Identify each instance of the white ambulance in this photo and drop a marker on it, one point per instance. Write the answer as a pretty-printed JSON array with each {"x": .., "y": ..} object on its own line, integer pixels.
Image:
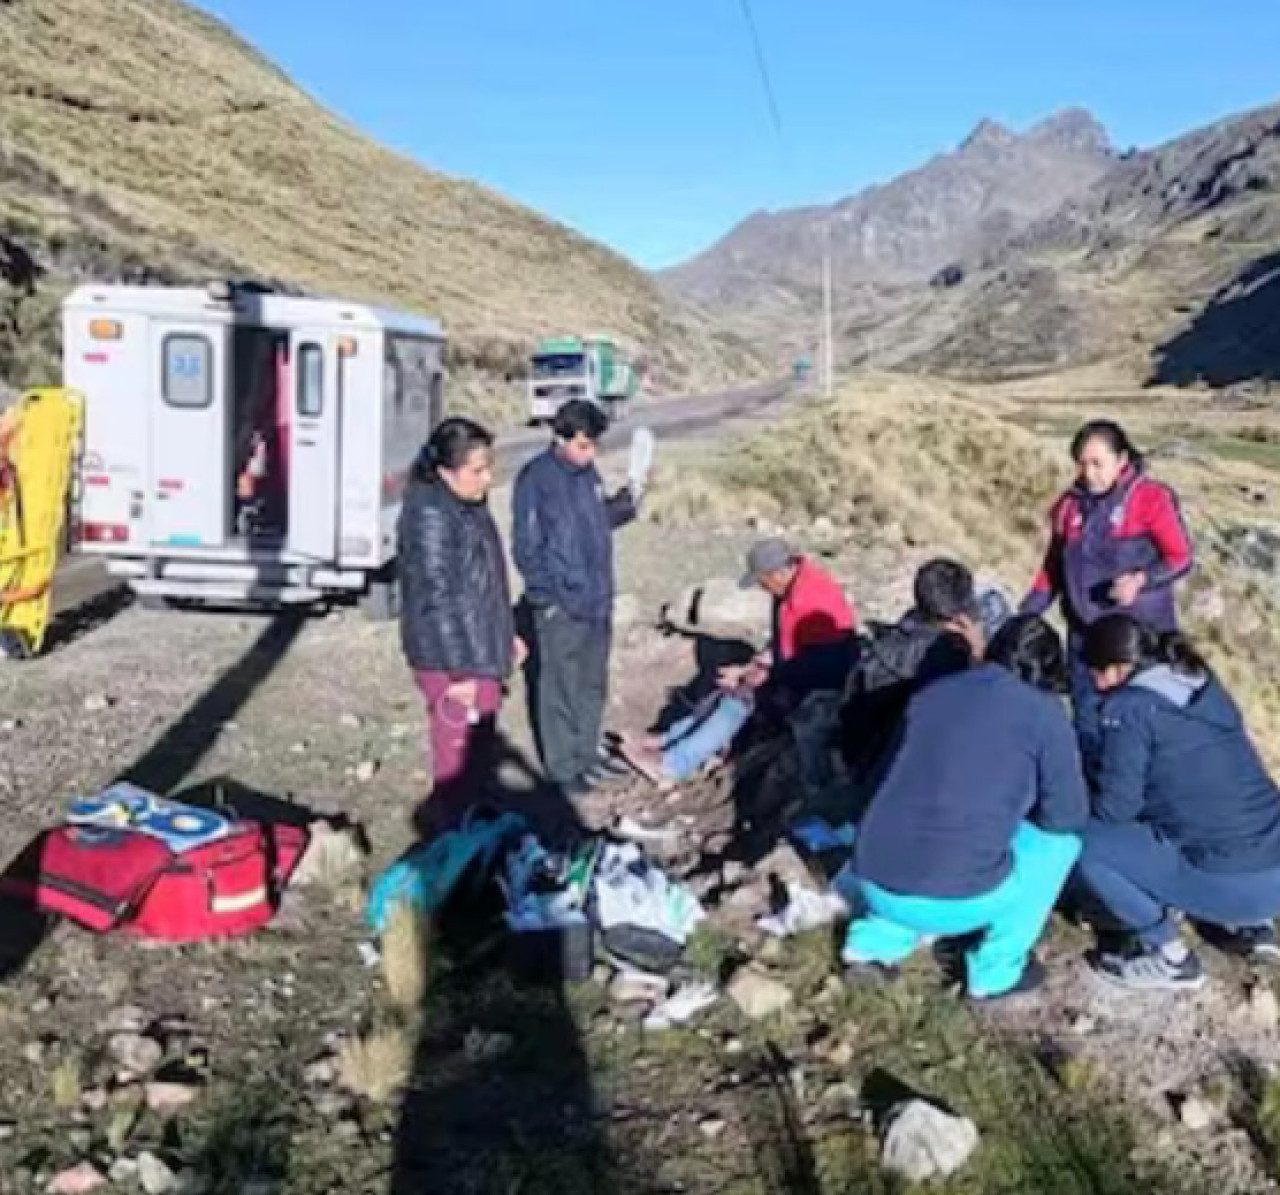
[{"x": 243, "y": 446}]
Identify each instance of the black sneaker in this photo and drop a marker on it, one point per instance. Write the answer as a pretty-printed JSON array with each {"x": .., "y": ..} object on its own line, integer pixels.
[
  {"x": 1256, "y": 943},
  {"x": 1032, "y": 979},
  {"x": 1151, "y": 971},
  {"x": 575, "y": 789},
  {"x": 608, "y": 761}
]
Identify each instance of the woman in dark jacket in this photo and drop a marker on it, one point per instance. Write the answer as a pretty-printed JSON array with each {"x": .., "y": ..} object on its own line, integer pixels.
[
  {"x": 1185, "y": 817},
  {"x": 456, "y": 621},
  {"x": 1117, "y": 542}
]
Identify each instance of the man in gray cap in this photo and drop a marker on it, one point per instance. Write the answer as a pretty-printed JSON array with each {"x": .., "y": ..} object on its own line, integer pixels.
[{"x": 813, "y": 629}]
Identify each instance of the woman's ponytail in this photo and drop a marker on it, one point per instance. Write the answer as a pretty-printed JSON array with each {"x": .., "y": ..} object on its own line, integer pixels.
[
  {"x": 1175, "y": 650},
  {"x": 448, "y": 448}
]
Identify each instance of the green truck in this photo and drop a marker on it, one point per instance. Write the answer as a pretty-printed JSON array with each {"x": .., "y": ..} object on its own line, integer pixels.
[{"x": 568, "y": 367}]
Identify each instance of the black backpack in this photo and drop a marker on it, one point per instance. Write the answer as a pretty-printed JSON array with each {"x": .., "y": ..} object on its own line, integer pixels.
[{"x": 894, "y": 662}]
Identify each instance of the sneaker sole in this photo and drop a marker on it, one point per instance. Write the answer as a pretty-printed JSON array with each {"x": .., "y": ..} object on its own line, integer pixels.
[{"x": 1181, "y": 985}]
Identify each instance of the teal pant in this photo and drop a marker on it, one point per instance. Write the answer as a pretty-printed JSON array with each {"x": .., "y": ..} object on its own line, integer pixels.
[{"x": 1011, "y": 917}]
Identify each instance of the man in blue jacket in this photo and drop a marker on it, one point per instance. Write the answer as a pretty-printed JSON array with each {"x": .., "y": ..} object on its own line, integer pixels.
[{"x": 564, "y": 528}]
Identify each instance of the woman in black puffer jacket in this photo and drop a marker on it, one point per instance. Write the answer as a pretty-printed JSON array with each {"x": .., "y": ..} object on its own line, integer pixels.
[{"x": 456, "y": 622}]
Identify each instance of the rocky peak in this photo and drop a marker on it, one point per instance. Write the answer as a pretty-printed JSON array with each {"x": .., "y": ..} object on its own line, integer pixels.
[
  {"x": 1073, "y": 129},
  {"x": 988, "y": 134}
]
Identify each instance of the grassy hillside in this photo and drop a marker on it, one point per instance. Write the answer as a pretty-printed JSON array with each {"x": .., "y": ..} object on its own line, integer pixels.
[{"x": 141, "y": 138}]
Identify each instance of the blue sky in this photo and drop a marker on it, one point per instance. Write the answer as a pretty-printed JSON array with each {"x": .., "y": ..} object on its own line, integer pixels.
[{"x": 644, "y": 124}]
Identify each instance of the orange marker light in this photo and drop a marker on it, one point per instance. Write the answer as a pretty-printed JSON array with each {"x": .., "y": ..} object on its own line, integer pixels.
[
  {"x": 347, "y": 346},
  {"x": 106, "y": 329}
]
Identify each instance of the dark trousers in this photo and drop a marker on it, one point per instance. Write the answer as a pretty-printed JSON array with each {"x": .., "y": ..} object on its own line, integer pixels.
[
  {"x": 1086, "y": 701},
  {"x": 573, "y": 685},
  {"x": 1141, "y": 878}
]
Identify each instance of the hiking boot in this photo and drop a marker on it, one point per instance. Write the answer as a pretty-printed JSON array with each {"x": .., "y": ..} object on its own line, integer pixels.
[
  {"x": 1031, "y": 980},
  {"x": 1255, "y": 943},
  {"x": 1146, "y": 970}
]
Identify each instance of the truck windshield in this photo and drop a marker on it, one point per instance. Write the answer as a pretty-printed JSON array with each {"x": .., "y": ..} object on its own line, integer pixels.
[{"x": 558, "y": 365}]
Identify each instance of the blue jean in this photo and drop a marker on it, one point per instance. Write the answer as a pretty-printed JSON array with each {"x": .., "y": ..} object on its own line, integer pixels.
[
  {"x": 694, "y": 740},
  {"x": 1011, "y": 917},
  {"x": 1140, "y": 878},
  {"x": 1086, "y": 701}
]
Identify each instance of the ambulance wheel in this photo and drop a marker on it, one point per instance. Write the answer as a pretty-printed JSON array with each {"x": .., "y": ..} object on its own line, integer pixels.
[
  {"x": 14, "y": 645},
  {"x": 381, "y": 601}
]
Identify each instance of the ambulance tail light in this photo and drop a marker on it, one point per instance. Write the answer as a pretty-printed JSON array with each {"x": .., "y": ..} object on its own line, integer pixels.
[{"x": 104, "y": 533}]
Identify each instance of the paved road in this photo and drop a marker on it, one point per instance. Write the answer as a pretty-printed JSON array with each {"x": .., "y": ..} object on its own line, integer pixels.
[{"x": 81, "y": 578}]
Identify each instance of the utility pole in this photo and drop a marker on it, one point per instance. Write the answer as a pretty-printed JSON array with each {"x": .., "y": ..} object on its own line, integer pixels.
[{"x": 829, "y": 364}]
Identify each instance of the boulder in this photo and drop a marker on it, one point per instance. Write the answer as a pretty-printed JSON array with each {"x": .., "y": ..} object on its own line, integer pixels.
[
  {"x": 167, "y": 1098},
  {"x": 1258, "y": 548},
  {"x": 757, "y": 995},
  {"x": 155, "y": 1176},
  {"x": 722, "y": 608},
  {"x": 79, "y": 1180},
  {"x": 922, "y": 1142},
  {"x": 135, "y": 1052}
]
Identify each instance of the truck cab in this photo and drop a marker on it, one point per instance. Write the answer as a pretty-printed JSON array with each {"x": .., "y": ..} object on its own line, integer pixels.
[{"x": 566, "y": 368}]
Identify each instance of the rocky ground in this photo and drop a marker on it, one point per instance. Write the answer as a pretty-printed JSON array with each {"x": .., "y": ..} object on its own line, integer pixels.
[{"x": 284, "y": 1063}]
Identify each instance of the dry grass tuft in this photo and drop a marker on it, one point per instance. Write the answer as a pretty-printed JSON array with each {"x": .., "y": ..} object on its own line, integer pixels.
[
  {"x": 67, "y": 1082},
  {"x": 405, "y": 954},
  {"x": 377, "y": 1064}
]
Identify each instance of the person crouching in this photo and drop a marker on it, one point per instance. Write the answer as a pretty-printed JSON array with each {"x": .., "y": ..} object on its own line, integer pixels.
[{"x": 974, "y": 829}]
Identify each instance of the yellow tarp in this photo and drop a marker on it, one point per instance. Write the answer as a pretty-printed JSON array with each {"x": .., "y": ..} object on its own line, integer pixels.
[{"x": 39, "y": 441}]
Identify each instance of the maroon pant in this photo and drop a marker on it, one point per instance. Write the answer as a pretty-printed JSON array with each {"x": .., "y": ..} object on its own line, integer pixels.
[{"x": 457, "y": 738}]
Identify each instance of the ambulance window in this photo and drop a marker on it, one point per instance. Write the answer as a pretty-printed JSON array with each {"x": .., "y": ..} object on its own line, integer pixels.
[
  {"x": 187, "y": 362},
  {"x": 310, "y": 381}
]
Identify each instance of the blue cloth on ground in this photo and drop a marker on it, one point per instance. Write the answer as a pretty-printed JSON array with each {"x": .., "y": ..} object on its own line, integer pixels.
[{"x": 424, "y": 878}]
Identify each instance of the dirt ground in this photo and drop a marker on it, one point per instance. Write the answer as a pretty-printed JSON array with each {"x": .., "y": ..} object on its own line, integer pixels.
[{"x": 513, "y": 1087}]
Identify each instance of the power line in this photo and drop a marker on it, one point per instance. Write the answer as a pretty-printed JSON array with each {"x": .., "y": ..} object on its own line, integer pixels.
[{"x": 762, "y": 65}]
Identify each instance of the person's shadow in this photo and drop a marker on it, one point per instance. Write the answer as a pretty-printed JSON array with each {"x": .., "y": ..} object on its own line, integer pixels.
[{"x": 500, "y": 1095}]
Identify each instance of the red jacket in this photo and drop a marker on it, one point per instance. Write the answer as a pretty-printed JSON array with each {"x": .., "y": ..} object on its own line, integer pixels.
[{"x": 813, "y": 613}]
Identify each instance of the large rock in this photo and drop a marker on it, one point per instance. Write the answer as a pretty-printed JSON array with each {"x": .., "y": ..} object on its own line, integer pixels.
[
  {"x": 79, "y": 1180},
  {"x": 757, "y": 995},
  {"x": 155, "y": 1176},
  {"x": 923, "y": 1142},
  {"x": 1257, "y": 548},
  {"x": 720, "y": 607},
  {"x": 136, "y": 1052}
]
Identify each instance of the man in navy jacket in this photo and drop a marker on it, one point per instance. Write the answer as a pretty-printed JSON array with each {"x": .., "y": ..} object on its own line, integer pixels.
[{"x": 564, "y": 528}]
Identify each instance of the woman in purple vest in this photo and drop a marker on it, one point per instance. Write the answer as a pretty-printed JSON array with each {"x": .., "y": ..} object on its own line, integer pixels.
[{"x": 1118, "y": 543}]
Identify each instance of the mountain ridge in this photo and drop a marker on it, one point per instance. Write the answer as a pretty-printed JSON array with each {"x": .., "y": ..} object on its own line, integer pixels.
[{"x": 905, "y": 229}]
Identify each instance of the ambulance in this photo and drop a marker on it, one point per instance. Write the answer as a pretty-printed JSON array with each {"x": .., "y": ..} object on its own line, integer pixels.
[{"x": 247, "y": 447}]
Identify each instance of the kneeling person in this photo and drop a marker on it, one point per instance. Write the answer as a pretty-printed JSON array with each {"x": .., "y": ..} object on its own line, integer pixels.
[
  {"x": 812, "y": 647},
  {"x": 973, "y": 829},
  {"x": 1185, "y": 818}
]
